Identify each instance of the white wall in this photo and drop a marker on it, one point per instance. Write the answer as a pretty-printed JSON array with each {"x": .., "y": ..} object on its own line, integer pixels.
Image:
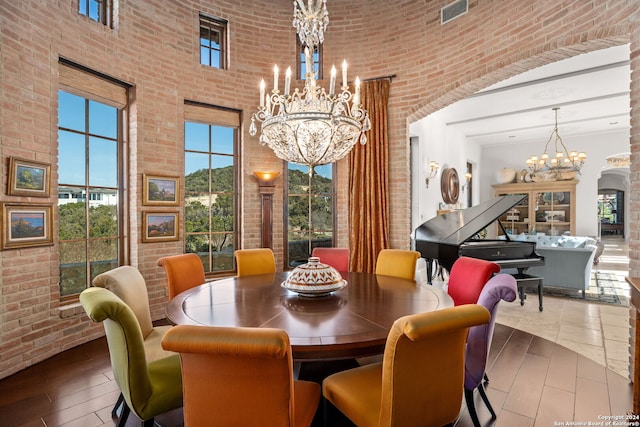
[
  {"x": 450, "y": 149},
  {"x": 598, "y": 148}
]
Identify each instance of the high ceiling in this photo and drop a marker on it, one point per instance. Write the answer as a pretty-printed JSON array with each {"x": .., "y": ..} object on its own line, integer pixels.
[{"x": 592, "y": 91}]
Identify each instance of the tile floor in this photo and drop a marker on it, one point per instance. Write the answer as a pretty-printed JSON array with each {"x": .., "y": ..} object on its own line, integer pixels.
[{"x": 595, "y": 330}]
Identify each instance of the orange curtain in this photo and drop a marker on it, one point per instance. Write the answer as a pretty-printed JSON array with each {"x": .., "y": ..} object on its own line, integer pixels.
[{"x": 369, "y": 182}]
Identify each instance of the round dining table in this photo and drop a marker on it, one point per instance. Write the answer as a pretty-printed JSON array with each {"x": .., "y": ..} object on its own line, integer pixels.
[{"x": 348, "y": 323}]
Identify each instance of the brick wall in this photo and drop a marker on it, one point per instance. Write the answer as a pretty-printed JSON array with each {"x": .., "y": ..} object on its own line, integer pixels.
[{"x": 154, "y": 48}]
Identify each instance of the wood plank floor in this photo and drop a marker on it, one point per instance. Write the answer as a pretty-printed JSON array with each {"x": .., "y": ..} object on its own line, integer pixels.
[{"x": 533, "y": 382}]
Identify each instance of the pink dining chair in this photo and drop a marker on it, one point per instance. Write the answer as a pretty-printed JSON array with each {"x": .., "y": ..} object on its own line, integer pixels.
[
  {"x": 501, "y": 287},
  {"x": 467, "y": 278},
  {"x": 337, "y": 258}
]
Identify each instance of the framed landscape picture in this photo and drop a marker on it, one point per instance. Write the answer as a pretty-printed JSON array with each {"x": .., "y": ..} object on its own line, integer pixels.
[
  {"x": 26, "y": 225},
  {"x": 160, "y": 190},
  {"x": 28, "y": 178},
  {"x": 159, "y": 226}
]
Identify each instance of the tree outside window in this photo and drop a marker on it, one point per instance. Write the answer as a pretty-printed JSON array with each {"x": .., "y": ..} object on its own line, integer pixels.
[
  {"x": 88, "y": 191},
  {"x": 310, "y": 211}
]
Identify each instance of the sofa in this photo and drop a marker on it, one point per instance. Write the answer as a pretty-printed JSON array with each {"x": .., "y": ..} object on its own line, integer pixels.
[{"x": 567, "y": 260}]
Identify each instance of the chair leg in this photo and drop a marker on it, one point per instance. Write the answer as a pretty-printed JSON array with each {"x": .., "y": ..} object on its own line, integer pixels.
[
  {"x": 471, "y": 407},
  {"x": 114, "y": 411},
  {"x": 485, "y": 399},
  {"x": 486, "y": 379},
  {"x": 148, "y": 423},
  {"x": 124, "y": 415}
]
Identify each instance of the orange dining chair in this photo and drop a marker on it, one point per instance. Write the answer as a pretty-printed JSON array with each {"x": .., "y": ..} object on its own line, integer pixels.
[
  {"x": 421, "y": 377},
  {"x": 240, "y": 377},
  {"x": 397, "y": 263},
  {"x": 467, "y": 278},
  {"x": 337, "y": 258},
  {"x": 255, "y": 261},
  {"x": 184, "y": 271}
]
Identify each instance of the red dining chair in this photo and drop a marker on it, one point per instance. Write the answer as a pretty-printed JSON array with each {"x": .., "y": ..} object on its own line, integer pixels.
[
  {"x": 184, "y": 271},
  {"x": 467, "y": 278},
  {"x": 501, "y": 287},
  {"x": 337, "y": 258}
]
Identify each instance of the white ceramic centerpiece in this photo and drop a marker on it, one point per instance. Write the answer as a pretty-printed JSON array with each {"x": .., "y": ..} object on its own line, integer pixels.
[{"x": 314, "y": 279}]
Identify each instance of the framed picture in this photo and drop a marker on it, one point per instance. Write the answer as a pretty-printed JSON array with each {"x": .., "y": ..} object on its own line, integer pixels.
[
  {"x": 26, "y": 225},
  {"x": 159, "y": 226},
  {"x": 28, "y": 178},
  {"x": 160, "y": 190},
  {"x": 554, "y": 216}
]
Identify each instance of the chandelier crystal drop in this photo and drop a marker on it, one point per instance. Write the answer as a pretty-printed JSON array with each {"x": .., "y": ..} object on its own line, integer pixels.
[
  {"x": 563, "y": 165},
  {"x": 312, "y": 126}
]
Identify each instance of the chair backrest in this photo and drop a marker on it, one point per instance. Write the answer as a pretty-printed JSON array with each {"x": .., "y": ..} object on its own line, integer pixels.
[
  {"x": 499, "y": 287},
  {"x": 467, "y": 278},
  {"x": 423, "y": 366},
  {"x": 255, "y": 261},
  {"x": 129, "y": 285},
  {"x": 184, "y": 271},
  {"x": 397, "y": 263},
  {"x": 234, "y": 376},
  {"x": 143, "y": 393},
  {"x": 337, "y": 258}
]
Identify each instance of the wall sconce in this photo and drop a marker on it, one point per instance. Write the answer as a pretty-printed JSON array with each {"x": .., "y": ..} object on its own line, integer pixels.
[
  {"x": 467, "y": 180},
  {"x": 433, "y": 170},
  {"x": 266, "y": 183}
]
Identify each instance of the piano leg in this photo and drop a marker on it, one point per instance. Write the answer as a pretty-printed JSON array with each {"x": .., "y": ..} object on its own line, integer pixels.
[{"x": 429, "y": 270}]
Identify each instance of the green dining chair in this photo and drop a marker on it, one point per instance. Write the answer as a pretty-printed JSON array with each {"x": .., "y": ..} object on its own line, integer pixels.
[{"x": 148, "y": 388}]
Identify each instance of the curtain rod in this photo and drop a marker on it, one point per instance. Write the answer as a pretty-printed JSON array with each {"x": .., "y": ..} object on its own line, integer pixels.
[{"x": 390, "y": 77}]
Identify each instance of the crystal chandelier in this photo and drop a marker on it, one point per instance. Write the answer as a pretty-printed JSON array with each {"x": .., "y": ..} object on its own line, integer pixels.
[
  {"x": 311, "y": 126},
  {"x": 564, "y": 164}
]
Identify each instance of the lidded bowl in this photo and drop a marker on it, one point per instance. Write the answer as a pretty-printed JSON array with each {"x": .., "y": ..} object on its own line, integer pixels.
[{"x": 314, "y": 277}]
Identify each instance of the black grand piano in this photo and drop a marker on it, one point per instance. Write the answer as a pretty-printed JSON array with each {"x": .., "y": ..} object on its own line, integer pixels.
[{"x": 449, "y": 236}]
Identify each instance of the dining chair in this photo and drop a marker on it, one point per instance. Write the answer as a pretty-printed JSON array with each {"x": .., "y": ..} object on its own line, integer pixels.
[
  {"x": 337, "y": 258},
  {"x": 398, "y": 263},
  {"x": 255, "y": 261},
  {"x": 128, "y": 284},
  {"x": 421, "y": 377},
  {"x": 184, "y": 271},
  {"x": 236, "y": 376},
  {"x": 501, "y": 287},
  {"x": 149, "y": 388},
  {"x": 467, "y": 278}
]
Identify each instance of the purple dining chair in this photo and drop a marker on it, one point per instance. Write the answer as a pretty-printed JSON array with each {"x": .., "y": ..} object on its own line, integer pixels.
[{"x": 499, "y": 287}]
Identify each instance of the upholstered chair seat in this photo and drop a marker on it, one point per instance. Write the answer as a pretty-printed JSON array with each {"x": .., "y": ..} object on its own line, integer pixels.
[
  {"x": 149, "y": 388},
  {"x": 255, "y": 261},
  {"x": 420, "y": 379},
  {"x": 241, "y": 377},
  {"x": 397, "y": 263},
  {"x": 184, "y": 271}
]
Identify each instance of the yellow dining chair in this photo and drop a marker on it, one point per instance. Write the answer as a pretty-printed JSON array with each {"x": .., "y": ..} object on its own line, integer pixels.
[
  {"x": 184, "y": 271},
  {"x": 128, "y": 284},
  {"x": 255, "y": 261},
  {"x": 421, "y": 377},
  {"x": 397, "y": 263},
  {"x": 240, "y": 377},
  {"x": 149, "y": 388}
]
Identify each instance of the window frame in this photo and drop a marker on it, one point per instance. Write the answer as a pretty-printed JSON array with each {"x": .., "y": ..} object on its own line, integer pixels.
[
  {"x": 334, "y": 175},
  {"x": 221, "y": 26},
  {"x": 216, "y": 116},
  {"x": 300, "y": 60},
  {"x": 105, "y": 11}
]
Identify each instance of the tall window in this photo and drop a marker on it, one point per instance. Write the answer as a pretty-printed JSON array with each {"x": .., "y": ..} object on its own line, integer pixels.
[
  {"x": 310, "y": 211},
  {"x": 211, "y": 229},
  {"x": 317, "y": 61},
  {"x": 213, "y": 46},
  {"x": 89, "y": 189},
  {"x": 98, "y": 10}
]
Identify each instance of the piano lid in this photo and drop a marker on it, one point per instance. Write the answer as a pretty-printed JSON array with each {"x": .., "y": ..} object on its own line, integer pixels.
[{"x": 455, "y": 228}]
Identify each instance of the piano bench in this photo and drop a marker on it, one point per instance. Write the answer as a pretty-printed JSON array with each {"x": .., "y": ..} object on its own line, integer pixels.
[{"x": 528, "y": 281}]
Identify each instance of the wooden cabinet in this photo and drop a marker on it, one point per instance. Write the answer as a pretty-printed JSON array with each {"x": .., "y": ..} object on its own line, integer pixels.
[{"x": 550, "y": 207}]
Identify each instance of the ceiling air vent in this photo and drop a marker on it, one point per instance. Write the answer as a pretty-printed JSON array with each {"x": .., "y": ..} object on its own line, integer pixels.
[{"x": 453, "y": 10}]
